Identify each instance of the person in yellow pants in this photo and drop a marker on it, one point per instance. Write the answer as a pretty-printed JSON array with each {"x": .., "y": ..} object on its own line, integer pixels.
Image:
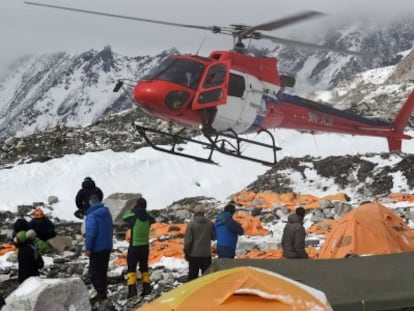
[{"x": 139, "y": 221}]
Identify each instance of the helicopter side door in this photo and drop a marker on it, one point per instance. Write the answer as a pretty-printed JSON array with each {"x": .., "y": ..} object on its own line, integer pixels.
[{"x": 213, "y": 88}]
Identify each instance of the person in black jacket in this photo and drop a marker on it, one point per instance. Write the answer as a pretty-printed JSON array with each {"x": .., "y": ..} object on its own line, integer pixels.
[
  {"x": 82, "y": 197},
  {"x": 29, "y": 259},
  {"x": 42, "y": 225},
  {"x": 294, "y": 234}
]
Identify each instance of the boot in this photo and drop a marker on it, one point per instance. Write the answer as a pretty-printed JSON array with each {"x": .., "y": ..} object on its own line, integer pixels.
[
  {"x": 132, "y": 285},
  {"x": 146, "y": 286},
  {"x": 132, "y": 291}
]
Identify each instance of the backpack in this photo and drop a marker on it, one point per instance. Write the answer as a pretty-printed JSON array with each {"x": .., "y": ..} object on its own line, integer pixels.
[{"x": 38, "y": 257}]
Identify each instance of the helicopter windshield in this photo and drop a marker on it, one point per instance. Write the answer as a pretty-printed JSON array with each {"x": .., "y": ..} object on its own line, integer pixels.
[{"x": 182, "y": 71}]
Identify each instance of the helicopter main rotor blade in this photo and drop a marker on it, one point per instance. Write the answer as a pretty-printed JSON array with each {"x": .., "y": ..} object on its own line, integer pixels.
[
  {"x": 211, "y": 28},
  {"x": 309, "y": 45},
  {"x": 279, "y": 23}
]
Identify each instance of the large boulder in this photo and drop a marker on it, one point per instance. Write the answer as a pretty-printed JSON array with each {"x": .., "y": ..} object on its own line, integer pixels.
[
  {"x": 119, "y": 203},
  {"x": 36, "y": 294}
]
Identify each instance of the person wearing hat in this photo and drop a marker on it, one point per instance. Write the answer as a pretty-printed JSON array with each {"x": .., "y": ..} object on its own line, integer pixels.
[
  {"x": 197, "y": 243},
  {"x": 139, "y": 221},
  {"x": 82, "y": 197},
  {"x": 28, "y": 258},
  {"x": 98, "y": 244},
  {"x": 227, "y": 231},
  {"x": 294, "y": 234},
  {"x": 42, "y": 225}
]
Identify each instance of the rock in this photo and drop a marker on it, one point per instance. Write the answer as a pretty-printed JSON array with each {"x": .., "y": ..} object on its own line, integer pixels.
[
  {"x": 119, "y": 203},
  {"x": 36, "y": 294},
  {"x": 52, "y": 199},
  {"x": 60, "y": 243}
]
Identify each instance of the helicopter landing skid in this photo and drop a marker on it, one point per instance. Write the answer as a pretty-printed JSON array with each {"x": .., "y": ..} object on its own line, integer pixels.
[{"x": 227, "y": 142}]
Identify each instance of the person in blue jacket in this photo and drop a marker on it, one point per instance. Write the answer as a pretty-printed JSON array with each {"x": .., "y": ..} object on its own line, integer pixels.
[
  {"x": 98, "y": 244},
  {"x": 227, "y": 232}
]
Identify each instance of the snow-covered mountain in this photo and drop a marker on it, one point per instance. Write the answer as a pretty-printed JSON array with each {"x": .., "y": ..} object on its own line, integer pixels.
[
  {"x": 69, "y": 89},
  {"x": 383, "y": 43}
]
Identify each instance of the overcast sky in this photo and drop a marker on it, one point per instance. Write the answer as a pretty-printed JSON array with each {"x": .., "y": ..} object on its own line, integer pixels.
[{"x": 27, "y": 29}]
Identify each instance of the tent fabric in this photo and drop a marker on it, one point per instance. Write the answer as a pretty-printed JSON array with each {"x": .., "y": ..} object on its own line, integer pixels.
[
  {"x": 241, "y": 288},
  {"x": 367, "y": 283},
  {"x": 370, "y": 229}
]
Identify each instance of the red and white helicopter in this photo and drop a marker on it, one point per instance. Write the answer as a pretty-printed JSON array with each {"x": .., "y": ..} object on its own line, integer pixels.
[{"x": 230, "y": 93}]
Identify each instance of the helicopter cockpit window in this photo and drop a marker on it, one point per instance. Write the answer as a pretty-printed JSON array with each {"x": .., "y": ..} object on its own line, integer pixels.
[
  {"x": 215, "y": 76},
  {"x": 182, "y": 71}
]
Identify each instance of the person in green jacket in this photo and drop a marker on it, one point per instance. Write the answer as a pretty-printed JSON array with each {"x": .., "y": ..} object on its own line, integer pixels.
[{"x": 139, "y": 221}]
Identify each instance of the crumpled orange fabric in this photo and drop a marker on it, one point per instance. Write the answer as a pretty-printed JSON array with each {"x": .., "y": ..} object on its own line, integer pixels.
[
  {"x": 7, "y": 248},
  {"x": 158, "y": 230},
  {"x": 322, "y": 227},
  {"x": 251, "y": 225}
]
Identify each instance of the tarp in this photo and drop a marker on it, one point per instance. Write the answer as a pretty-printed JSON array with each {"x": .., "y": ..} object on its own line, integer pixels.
[
  {"x": 241, "y": 288},
  {"x": 290, "y": 200},
  {"x": 370, "y": 229},
  {"x": 380, "y": 282}
]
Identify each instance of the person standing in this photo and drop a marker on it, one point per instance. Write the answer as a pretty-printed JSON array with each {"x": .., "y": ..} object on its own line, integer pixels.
[
  {"x": 98, "y": 244},
  {"x": 227, "y": 232},
  {"x": 42, "y": 225},
  {"x": 29, "y": 259},
  {"x": 197, "y": 243},
  {"x": 294, "y": 234},
  {"x": 82, "y": 197},
  {"x": 139, "y": 221}
]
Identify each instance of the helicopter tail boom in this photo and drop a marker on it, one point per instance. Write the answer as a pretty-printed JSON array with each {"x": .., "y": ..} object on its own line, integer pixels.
[{"x": 401, "y": 120}]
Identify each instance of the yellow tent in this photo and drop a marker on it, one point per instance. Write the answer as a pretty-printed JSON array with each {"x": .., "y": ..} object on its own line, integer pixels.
[
  {"x": 241, "y": 288},
  {"x": 370, "y": 229}
]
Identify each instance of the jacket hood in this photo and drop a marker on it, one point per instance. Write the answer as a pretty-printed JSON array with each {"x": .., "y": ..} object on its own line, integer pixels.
[
  {"x": 200, "y": 219},
  {"x": 141, "y": 214},
  {"x": 222, "y": 216},
  {"x": 293, "y": 218},
  {"x": 96, "y": 208}
]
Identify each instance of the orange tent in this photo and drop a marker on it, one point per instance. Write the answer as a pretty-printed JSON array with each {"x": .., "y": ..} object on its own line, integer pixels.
[
  {"x": 370, "y": 229},
  {"x": 241, "y": 288}
]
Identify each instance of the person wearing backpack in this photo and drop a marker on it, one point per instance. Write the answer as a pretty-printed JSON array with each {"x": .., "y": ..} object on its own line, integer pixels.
[
  {"x": 88, "y": 188},
  {"x": 139, "y": 221},
  {"x": 28, "y": 257}
]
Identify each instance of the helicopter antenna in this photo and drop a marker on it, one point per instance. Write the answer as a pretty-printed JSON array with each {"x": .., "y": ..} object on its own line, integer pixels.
[{"x": 201, "y": 44}]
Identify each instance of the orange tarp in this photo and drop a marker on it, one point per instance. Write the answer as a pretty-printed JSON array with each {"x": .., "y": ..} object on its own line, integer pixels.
[
  {"x": 159, "y": 229},
  {"x": 370, "y": 229},
  {"x": 400, "y": 197},
  {"x": 290, "y": 200},
  {"x": 241, "y": 288},
  {"x": 7, "y": 248},
  {"x": 323, "y": 227},
  {"x": 251, "y": 225}
]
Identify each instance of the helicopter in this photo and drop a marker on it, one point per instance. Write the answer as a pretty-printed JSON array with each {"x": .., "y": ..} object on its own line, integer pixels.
[{"x": 231, "y": 93}]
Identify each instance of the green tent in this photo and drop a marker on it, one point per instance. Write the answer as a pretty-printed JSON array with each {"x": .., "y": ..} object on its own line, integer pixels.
[{"x": 380, "y": 282}]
